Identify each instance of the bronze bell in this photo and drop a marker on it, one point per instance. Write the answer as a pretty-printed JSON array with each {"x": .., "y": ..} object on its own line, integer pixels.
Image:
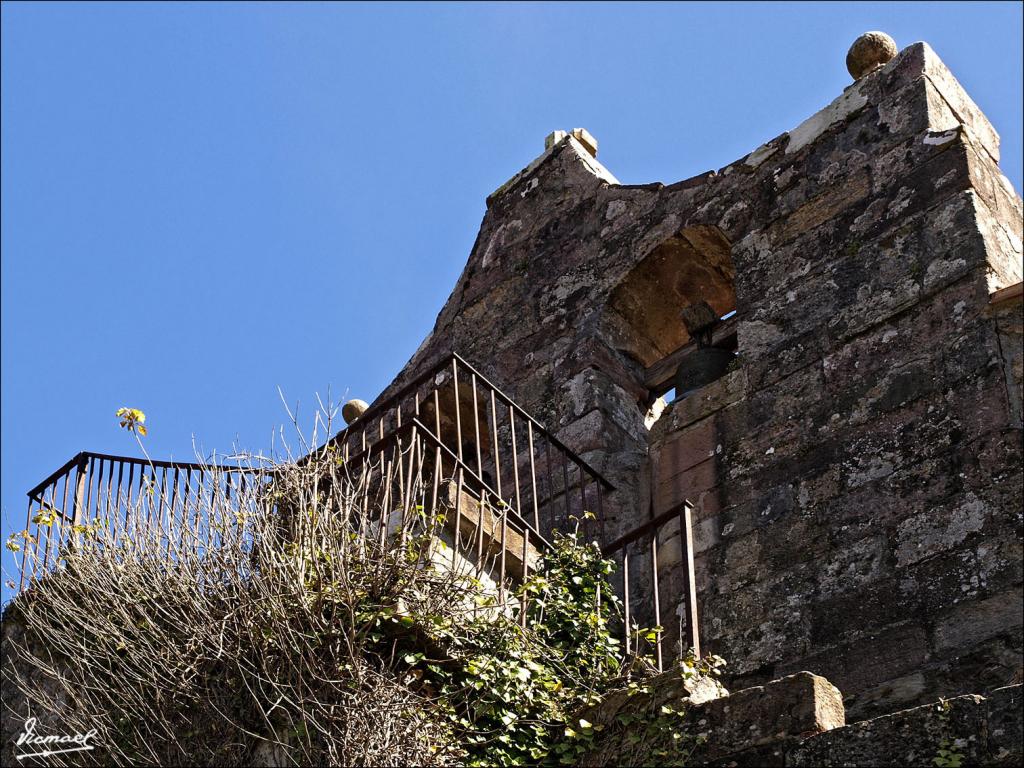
[
  {"x": 700, "y": 368},
  {"x": 706, "y": 363}
]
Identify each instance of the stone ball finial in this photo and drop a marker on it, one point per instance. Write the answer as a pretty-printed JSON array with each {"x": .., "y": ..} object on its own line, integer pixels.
[
  {"x": 869, "y": 52},
  {"x": 353, "y": 409}
]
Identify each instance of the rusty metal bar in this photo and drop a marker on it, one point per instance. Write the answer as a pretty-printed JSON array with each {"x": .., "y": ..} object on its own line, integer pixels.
[
  {"x": 187, "y": 526},
  {"x": 516, "y": 518},
  {"x": 55, "y": 475},
  {"x": 565, "y": 488},
  {"x": 111, "y": 523},
  {"x": 504, "y": 548},
  {"x": 78, "y": 505},
  {"x": 524, "y": 414},
  {"x": 526, "y": 570},
  {"x": 494, "y": 436},
  {"x": 533, "y": 477},
  {"x": 550, "y": 501},
  {"x": 515, "y": 457},
  {"x": 49, "y": 528},
  {"x": 625, "y": 598},
  {"x": 476, "y": 430},
  {"x": 128, "y": 504},
  {"x": 437, "y": 453},
  {"x": 689, "y": 579},
  {"x": 640, "y": 530},
  {"x": 163, "y": 498},
  {"x": 26, "y": 543},
  {"x": 63, "y": 515},
  {"x": 95, "y": 471},
  {"x": 170, "y": 512},
  {"x": 656, "y": 594}
]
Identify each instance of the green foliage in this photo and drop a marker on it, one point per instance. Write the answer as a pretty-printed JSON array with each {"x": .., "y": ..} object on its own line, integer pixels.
[
  {"x": 511, "y": 683},
  {"x": 45, "y": 516},
  {"x": 132, "y": 419},
  {"x": 947, "y": 755},
  {"x": 12, "y": 540}
]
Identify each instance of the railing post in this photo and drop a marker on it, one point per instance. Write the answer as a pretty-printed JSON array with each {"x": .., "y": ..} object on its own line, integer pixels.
[
  {"x": 26, "y": 544},
  {"x": 625, "y": 598},
  {"x": 78, "y": 504},
  {"x": 689, "y": 580},
  {"x": 655, "y": 593}
]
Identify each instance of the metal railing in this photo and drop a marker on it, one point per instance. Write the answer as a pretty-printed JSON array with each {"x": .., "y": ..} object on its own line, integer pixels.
[
  {"x": 410, "y": 475},
  {"x": 466, "y": 433},
  {"x": 126, "y": 497},
  {"x": 506, "y": 449},
  {"x": 449, "y": 438},
  {"x": 642, "y": 597}
]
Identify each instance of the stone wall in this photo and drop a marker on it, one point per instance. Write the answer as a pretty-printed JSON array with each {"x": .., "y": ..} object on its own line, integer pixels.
[
  {"x": 798, "y": 721},
  {"x": 858, "y": 477},
  {"x": 1007, "y": 310}
]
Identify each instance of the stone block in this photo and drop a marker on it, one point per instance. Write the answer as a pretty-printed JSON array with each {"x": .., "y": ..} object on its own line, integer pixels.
[
  {"x": 584, "y": 137},
  {"x": 683, "y": 449},
  {"x": 673, "y": 490},
  {"x": 873, "y": 659},
  {"x": 739, "y": 725},
  {"x": 971, "y": 623},
  {"x": 1004, "y": 710},
  {"x": 855, "y": 565},
  {"x": 799, "y": 704},
  {"x": 962, "y": 108},
  {"x": 714, "y": 397},
  {"x": 857, "y": 617},
  {"x": 939, "y": 529},
  {"x": 475, "y": 520},
  {"x": 908, "y": 739}
]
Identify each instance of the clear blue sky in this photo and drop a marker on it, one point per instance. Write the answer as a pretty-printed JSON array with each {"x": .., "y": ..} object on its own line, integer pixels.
[{"x": 202, "y": 203}]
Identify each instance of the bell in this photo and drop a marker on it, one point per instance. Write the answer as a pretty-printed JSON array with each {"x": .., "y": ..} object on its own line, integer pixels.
[{"x": 700, "y": 368}]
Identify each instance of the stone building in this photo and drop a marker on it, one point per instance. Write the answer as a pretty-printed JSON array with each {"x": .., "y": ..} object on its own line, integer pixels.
[
  {"x": 797, "y": 383},
  {"x": 855, "y": 467}
]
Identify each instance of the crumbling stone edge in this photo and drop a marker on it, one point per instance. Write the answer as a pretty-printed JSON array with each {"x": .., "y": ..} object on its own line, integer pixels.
[{"x": 799, "y": 721}]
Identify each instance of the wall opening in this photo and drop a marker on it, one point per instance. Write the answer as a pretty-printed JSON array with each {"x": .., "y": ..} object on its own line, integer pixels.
[
  {"x": 644, "y": 321},
  {"x": 691, "y": 266}
]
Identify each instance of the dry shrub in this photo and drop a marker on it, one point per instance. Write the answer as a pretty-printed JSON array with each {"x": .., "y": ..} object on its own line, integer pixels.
[{"x": 250, "y": 647}]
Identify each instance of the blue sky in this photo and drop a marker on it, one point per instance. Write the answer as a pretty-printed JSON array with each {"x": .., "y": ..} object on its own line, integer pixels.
[{"x": 202, "y": 203}]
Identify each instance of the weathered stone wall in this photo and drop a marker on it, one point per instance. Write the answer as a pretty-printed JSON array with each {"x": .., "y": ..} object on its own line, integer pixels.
[
  {"x": 858, "y": 478},
  {"x": 979, "y": 730},
  {"x": 796, "y": 721},
  {"x": 1007, "y": 310}
]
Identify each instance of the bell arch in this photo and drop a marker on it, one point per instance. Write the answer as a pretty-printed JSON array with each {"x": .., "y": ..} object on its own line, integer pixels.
[{"x": 650, "y": 313}]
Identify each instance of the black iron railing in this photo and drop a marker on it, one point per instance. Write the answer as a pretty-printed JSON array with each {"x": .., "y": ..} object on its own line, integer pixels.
[
  {"x": 449, "y": 437},
  {"x": 126, "y": 497},
  {"x": 475, "y": 423}
]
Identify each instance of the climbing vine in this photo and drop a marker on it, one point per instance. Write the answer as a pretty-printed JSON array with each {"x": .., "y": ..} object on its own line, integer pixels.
[{"x": 513, "y": 683}]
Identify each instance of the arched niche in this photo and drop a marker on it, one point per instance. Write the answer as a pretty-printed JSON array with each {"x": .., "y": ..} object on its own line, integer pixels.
[{"x": 643, "y": 315}]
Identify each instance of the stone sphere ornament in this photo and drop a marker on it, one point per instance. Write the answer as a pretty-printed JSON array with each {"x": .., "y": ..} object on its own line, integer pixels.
[
  {"x": 353, "y": 409},
  {"x": 869, "y": 52}
]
